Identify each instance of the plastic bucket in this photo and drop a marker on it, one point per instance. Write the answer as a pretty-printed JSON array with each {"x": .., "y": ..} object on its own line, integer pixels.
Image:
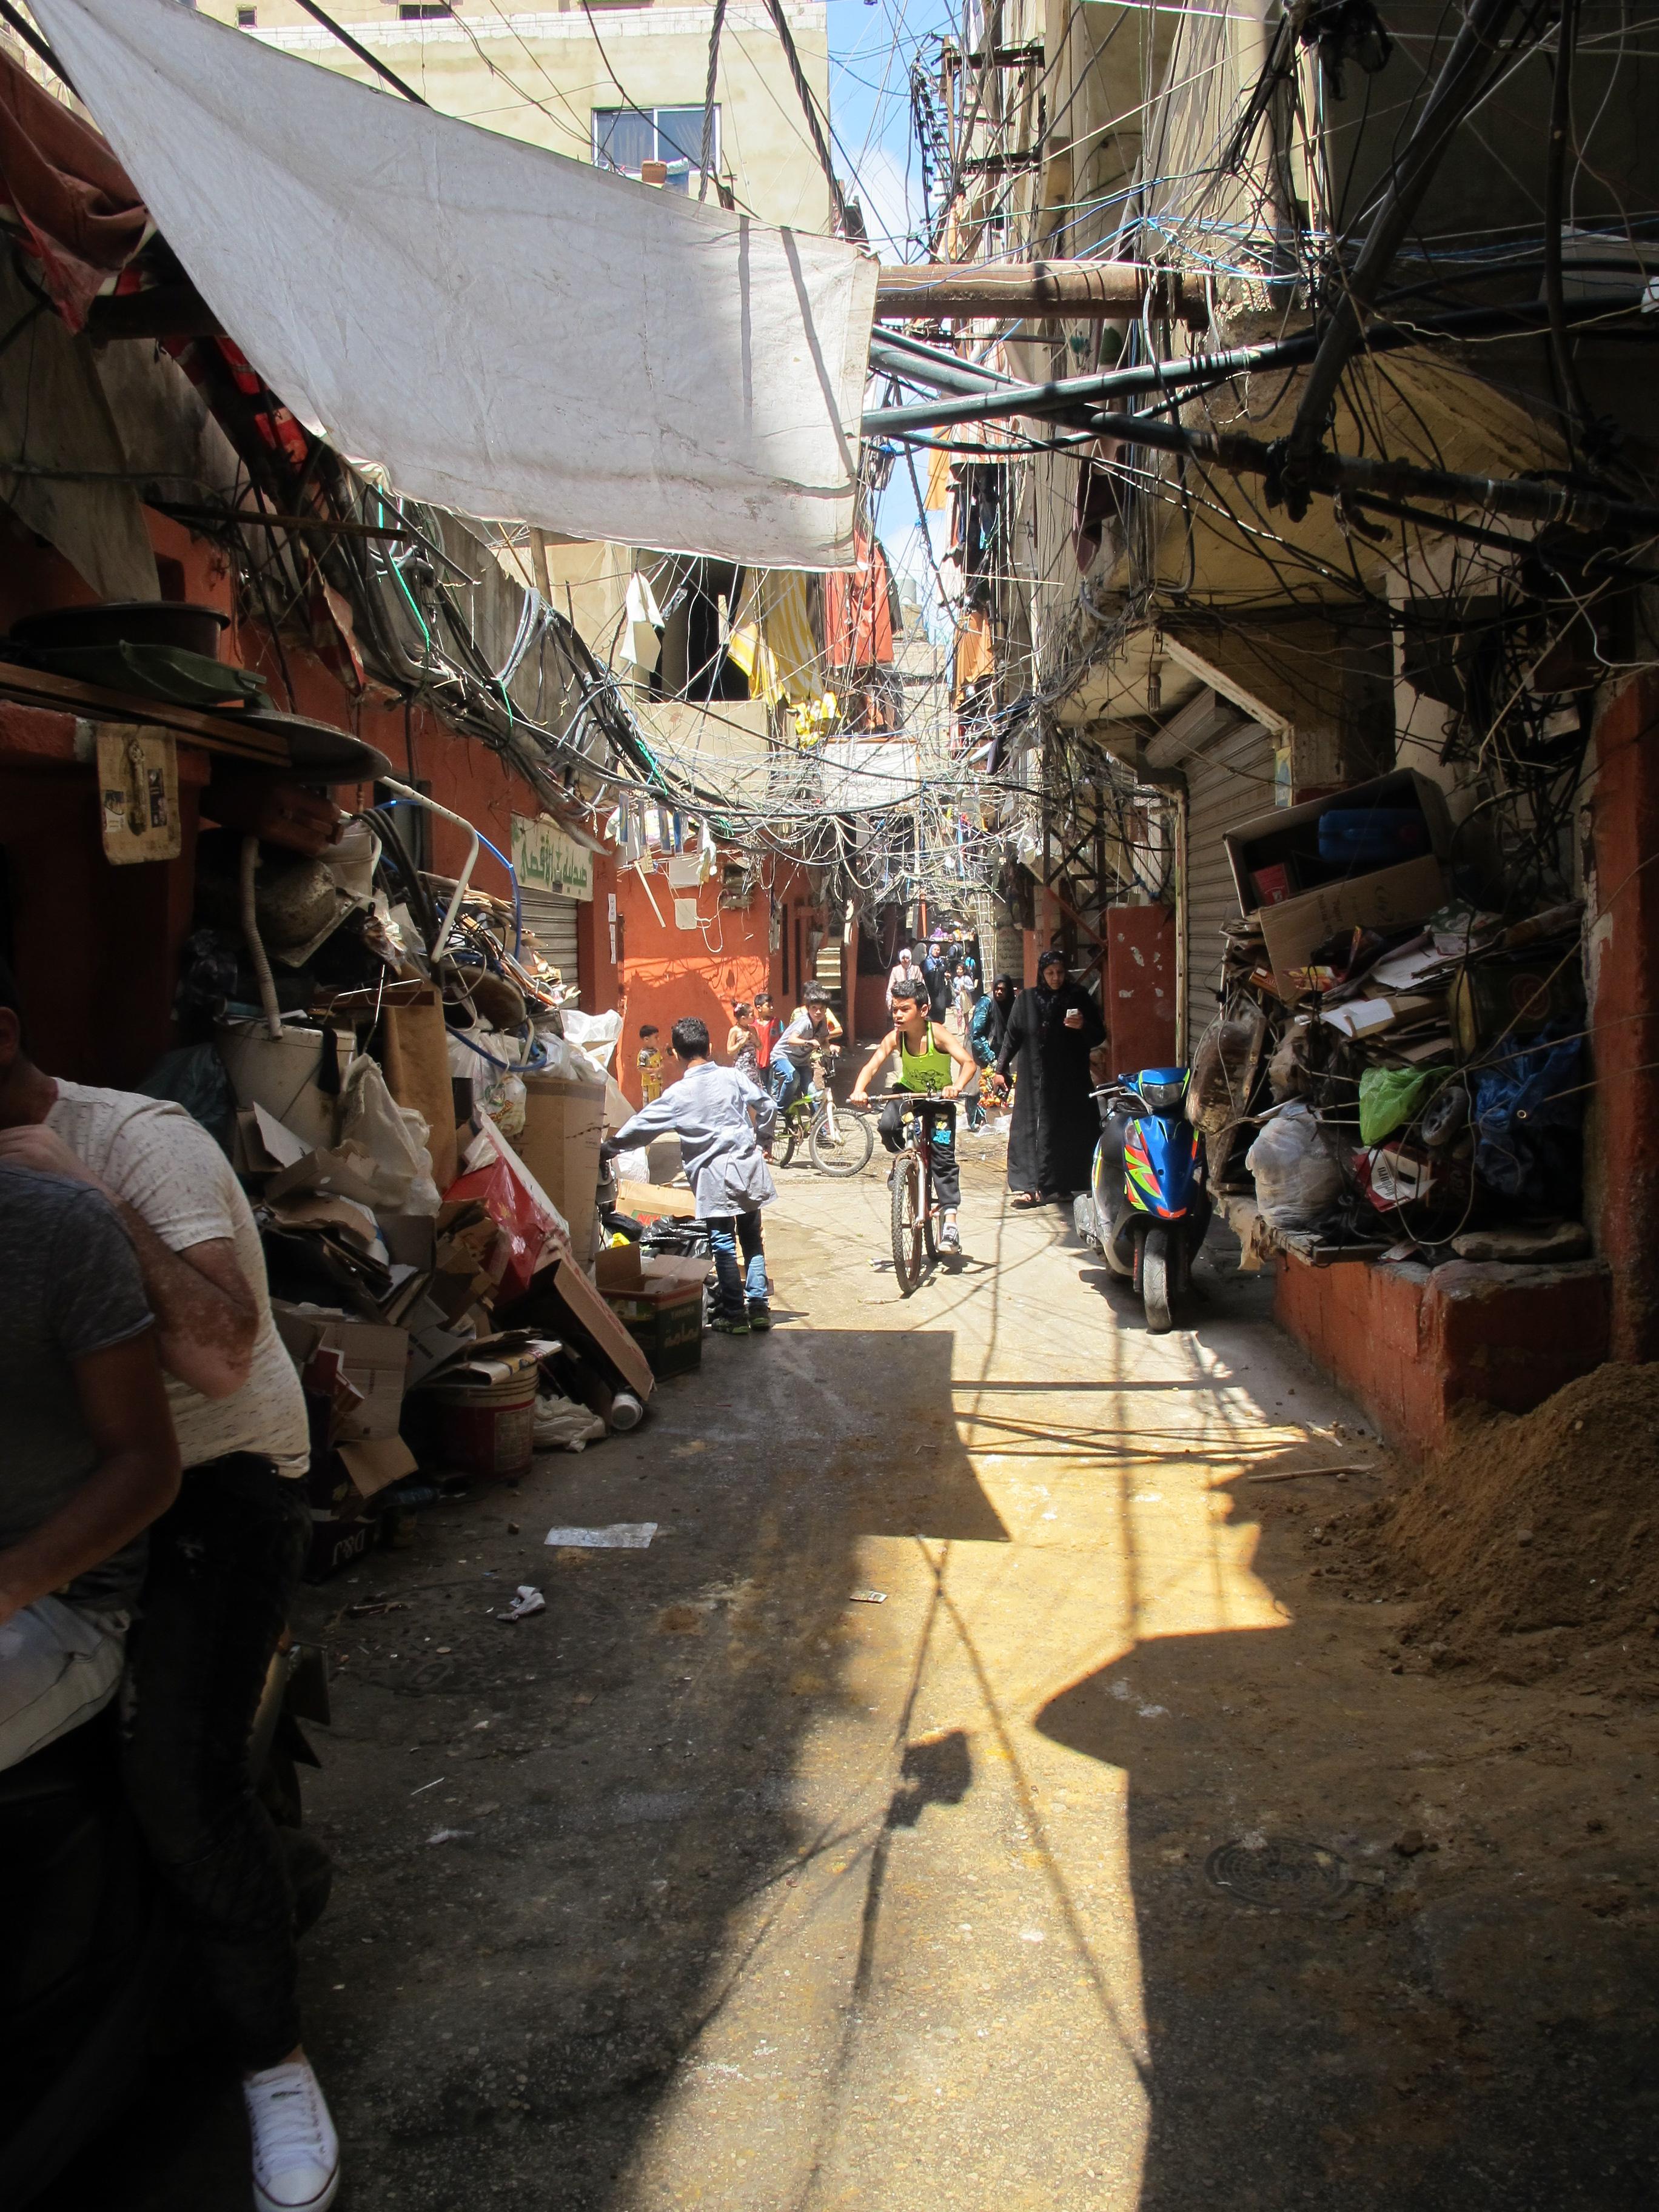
[
  {"x": 280, "y": 1073},
  {"x": 487, "y": 1430}
]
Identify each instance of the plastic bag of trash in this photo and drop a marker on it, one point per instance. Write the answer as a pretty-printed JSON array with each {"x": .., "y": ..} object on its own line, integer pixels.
[
  {"x": 503, "y": 1099},
  {"x": 1527, "y": 1109},
  {"x": 1388, "y": 1096},
  {"x": 593, "y": 1034},
  {"x": 1298, "y": 1177},
  {"x": 393, "y": 1137},
  {"x": 558, "y": 1056},
  {"x": 563, "y": 1425}
]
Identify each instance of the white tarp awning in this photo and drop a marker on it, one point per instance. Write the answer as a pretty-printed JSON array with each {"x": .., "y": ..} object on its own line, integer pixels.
[{"x": 508, "y": 333}]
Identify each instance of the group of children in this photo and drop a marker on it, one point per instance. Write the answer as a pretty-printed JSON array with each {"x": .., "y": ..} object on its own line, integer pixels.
[
  {"x": 773, "y": 1055},
  {"x": 725, "y": 1116}
]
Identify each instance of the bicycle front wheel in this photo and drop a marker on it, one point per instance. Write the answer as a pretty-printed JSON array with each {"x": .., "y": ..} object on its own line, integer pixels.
[
  {"x": 785, "y": 1139},
  {"x": 907, "y": 1221},
  {"x": 841, "y": 1146}
]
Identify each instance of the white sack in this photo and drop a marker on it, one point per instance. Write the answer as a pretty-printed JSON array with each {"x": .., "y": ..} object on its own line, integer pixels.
[
  {"x": 1298, "y": 1176},
  {"x": 591, "y": 1034},
  {"x": 390, "y": 1138},
  {"x": 507, "y": 331}
]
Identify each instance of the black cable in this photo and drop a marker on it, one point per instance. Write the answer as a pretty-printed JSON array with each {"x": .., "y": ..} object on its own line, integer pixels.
[
  {"x": 392, "y": 77},
  {"x": 810, "y": 109},
  {"x": 1564, "y": 375}
]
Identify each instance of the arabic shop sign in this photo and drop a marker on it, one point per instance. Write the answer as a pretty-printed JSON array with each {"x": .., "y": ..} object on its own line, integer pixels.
[{"x": 546, "y": 860}]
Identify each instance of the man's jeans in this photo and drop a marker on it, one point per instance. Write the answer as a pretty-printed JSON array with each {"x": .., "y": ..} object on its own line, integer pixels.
[
  {"x": 947, "y": 1170},
  {"x": 58, "y": 1666},
  {"x": 727, "y": 1234},
  {"x": 225, "y": 1562},
  {"x": 788, "y": 1080}
]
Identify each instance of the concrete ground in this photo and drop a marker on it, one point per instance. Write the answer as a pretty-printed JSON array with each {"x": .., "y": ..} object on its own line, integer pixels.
[{"x": 1105, "y": 1862}]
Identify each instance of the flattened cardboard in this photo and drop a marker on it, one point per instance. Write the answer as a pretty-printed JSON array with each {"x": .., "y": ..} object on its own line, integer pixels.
[
  {"x": 617, "y": 1267},
  {"x": 1388, "y": 899},
  {"x": 417, "y": 1075},
  {"x": 591, "y": 1321},
  {"x": 375, "y": 1354},
  {"x": 563, "y": 1124},
  {"x": 665, "y": 1270},
  {"x": 653, "y": 1201},
  {"x": 372, "y": 1466}
]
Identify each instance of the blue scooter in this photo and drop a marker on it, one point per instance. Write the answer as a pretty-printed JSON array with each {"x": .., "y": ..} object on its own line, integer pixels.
[{"x": 1148, "y": 1206}]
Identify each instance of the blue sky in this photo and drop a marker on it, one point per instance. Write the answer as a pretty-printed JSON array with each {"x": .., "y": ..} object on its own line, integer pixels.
[{"x": 872, "y": 47}]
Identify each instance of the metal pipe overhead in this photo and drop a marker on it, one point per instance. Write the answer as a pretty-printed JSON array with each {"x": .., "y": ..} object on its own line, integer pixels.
[
  {"x": 1070, "y": 399},
  {"x": 943, "y": 376},
  {"x": 1083, "y": 291},
  {"x": 1472, "y": 52}
]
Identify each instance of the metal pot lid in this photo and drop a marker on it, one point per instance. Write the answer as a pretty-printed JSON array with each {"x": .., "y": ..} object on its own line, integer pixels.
[{"x": 320, "y": 753}]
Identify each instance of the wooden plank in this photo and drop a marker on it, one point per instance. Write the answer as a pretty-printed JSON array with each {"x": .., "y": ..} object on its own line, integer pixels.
[{"x": 39, "y": 687}]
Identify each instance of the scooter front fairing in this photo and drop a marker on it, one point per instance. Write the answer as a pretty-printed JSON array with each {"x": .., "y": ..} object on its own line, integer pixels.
[{"x": 1160, "y": 1157}]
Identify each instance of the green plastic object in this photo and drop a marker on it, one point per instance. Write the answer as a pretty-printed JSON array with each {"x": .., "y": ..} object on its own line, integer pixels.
[{"x": 1387, "y": 1097}]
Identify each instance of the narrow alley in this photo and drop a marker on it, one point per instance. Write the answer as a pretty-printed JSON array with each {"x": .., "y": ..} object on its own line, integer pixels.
[
  {"x": 1105, "y": 1862},
  {"x": 829, "y": 1106}
]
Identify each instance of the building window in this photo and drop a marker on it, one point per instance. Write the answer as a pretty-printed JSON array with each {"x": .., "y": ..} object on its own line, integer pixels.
[
  {"x": 424, "y": 11},
  {"x": 626, "y": 139},
  {"x": 247, "y": 19}
]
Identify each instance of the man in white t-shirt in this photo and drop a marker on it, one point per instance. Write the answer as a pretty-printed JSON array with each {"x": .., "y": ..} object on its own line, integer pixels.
[
  {"x": 903, "y": 971},
  {"x": 225, "y": 1564}
]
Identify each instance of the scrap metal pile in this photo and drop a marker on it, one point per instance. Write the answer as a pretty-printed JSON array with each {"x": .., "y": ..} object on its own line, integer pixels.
[{"x": 1395, "y": 1067}]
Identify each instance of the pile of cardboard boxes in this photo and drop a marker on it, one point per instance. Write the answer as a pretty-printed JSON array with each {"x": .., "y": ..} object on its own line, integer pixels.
[
  {"x": 1425, "y": 1038},
  {"x": 437, "y": 1291}
]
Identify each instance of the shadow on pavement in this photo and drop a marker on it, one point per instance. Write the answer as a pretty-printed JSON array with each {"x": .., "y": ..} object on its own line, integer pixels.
[
  {"x": 1459, "y": 2029},
  {"x": 546, "y": 1834}
]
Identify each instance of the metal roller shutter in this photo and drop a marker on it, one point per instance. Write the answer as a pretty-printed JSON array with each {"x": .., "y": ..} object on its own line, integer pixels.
[
  {"x": 1228, "y": 780},
  {"x": 551, "y": 919}
]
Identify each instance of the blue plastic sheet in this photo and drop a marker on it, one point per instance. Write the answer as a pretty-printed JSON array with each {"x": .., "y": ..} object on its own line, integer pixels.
[{"x": 1522, "y": 1112}]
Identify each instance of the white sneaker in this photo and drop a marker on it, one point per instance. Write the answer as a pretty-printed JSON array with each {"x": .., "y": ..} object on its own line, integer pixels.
[
  {"x": 950, "y": 1237},
  {"x": 297, "y": 2153}
]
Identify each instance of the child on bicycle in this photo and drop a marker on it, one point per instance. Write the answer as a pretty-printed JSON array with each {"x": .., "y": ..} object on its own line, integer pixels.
[
  {"x": 932, "y": 1060},
  {"x": 810, "y": 1028}
]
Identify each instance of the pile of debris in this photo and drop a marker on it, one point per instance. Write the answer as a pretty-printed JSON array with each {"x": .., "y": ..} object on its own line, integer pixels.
[
  {"x": 415, "y": 1106},
  {"x": 1533, "y": 1541},
  {"x": 1397, "y": 1072}
]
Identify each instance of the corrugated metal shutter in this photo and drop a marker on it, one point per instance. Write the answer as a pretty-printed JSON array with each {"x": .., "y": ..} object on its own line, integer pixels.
[
  {"x": 1228, "y": 780},
  {"x": 551, "y": 920}
]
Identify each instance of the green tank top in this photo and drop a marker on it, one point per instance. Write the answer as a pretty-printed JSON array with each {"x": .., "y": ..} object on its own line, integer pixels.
[{"x": 927, "y": 1070}]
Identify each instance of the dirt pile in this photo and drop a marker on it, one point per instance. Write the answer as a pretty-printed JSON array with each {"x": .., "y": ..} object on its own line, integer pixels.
[{"x": 1533, "y": 1541}]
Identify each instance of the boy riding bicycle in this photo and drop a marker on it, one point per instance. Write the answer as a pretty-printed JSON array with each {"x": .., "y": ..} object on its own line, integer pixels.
[
  {"x": 811, "y": 1028},
  {"x": 932, "y": 1062}
]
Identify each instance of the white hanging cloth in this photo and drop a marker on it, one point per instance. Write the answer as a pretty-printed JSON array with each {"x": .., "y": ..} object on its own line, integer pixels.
[{"x": 510, "y": 333}]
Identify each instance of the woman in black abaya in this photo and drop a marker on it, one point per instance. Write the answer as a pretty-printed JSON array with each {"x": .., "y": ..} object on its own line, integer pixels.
[{"x": 1050, "y": 1034}]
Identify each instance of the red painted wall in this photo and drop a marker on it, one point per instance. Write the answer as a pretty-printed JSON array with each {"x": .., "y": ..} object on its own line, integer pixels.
[
  {"x": 1139, "y": 1002},
  {"x": 1411, "y": 1344},
  {"x": 667, "y": 972},
  {"x": 1625, "y": 966}
]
